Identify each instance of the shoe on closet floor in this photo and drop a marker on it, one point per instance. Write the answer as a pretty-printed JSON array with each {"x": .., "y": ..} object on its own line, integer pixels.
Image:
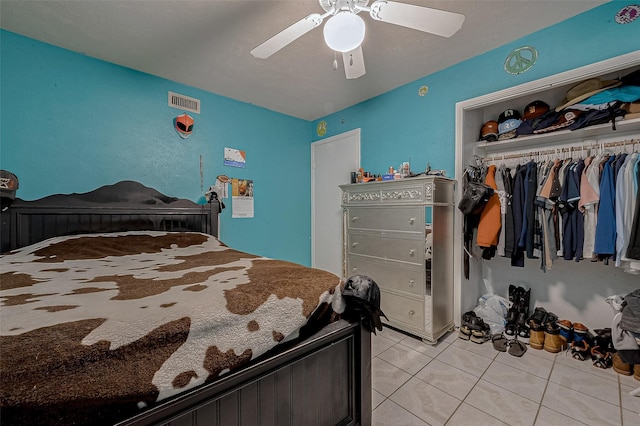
[
  {"x": 582, "y": 341},
  {"x": 553, "y": 342},
  {"x": 464, "y": 332},
  {"x": 602, "y": 349},
  {"x": 621, "y": 367},
  {"x": 566, "y": 329},
  {"x": 536, "y": 336}
]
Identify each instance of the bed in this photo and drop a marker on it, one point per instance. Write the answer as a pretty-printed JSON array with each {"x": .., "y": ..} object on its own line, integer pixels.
[{"x": 120, "y": 306}]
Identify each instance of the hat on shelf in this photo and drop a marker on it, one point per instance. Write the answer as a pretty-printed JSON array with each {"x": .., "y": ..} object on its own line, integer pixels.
[
  {"x": 508, "y": 121},
  {"x": 586, "y": 89},
  {"x": 535, "y": 109},
  {"x": 8, "y": 184},
  {"x": 489, "y": 131}
]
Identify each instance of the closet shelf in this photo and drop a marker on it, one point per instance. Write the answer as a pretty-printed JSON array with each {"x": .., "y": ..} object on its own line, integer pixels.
[{"x": 564, "y": 137}]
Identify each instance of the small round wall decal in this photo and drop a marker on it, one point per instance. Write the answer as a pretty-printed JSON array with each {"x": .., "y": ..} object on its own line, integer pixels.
[
  {"x": 321, "y": 129},
  {"x": 520, "y": 59},
  {"x": 423, "y": 90},
  {"x": 628, "y": 14}
]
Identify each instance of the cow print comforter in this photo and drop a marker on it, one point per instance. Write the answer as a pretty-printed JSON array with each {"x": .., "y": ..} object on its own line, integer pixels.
[{"x": 97, "y": 327}]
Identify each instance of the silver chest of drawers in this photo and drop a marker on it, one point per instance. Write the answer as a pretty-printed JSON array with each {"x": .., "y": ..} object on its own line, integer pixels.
[{"x": 386, "y": 234}]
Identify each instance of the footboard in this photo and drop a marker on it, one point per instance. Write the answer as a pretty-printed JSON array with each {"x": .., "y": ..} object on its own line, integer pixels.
[{"x": 324, "y": 380}]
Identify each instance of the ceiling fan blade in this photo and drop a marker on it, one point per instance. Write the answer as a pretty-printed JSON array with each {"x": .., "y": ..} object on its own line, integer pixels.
[
  {"x": 420, "y": 18},
  {"x": 353, "y": 63},
  {"x": 286, "y": 36}
]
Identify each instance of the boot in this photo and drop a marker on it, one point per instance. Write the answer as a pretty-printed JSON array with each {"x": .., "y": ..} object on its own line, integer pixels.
[
  {"x": 553, "y": 342},
  {"x": 620, "y": 366},
  {"x": 536, "y": 335}
]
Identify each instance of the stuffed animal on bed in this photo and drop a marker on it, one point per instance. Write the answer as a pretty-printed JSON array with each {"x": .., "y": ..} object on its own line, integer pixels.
[{"x": 363, "y": 301}]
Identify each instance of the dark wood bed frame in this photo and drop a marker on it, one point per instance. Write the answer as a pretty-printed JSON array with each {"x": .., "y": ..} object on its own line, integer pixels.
[{"x": 323, "y": 380}]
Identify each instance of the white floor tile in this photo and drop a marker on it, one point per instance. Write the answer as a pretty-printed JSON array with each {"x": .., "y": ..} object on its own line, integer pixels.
[
  {"x": 631, "y": 403},
  {"x": 391, "y": 414},
  {"x": 457, "y": 383},
  {"x": 376, "y": 399},
  {"x": 579, "y": 406},
  {"x": 483, "y": 349},
  {"x": 387, "y": 378},
  {"x": 452, "y": 380},
  {"x": 466, "y": 415},
  {"x": 464, "y": 360},
  {"x": 538, "y": 366},
  {"x": 506, "y": 406},
  {"x": 515, "y": 380},
  {"x": 405, "y": 358},
  {"x": 548, "y": 417},
  {"x": 425, "y": 401},
  {"x": 585, "y": 382},
  {"x": 424, "y": 348},
  {"x": 380, "y": 344},
  {"x": 629, "y": 418}
]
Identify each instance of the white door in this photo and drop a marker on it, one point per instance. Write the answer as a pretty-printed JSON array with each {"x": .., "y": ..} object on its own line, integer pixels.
[{"x": 332, "y": 161}]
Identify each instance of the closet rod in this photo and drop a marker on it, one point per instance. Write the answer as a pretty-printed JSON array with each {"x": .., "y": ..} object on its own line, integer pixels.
[{"x": 563, "y": 150}]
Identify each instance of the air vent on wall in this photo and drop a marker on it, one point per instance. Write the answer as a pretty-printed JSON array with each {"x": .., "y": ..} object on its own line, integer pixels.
[{"x": 184, "y": 102}]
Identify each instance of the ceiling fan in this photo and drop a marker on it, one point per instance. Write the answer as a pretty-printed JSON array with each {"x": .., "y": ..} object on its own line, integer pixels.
[{"x": 344, "y": 30}]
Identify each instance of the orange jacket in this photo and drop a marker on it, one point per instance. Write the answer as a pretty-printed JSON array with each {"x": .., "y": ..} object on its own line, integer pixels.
[{"x": 489, "y": 225}]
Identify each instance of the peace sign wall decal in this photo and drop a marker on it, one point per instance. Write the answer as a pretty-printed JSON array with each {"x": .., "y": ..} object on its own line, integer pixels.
[{"x": 520, "y": 60}]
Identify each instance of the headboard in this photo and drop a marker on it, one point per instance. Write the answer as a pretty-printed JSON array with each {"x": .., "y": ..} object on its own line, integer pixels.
[{"x": 124, "y": 206}]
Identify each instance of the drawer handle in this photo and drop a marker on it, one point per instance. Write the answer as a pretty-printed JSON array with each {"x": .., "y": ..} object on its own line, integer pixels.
[
  {"x": 412, "y": 220},
  {"x": 354, "y": 244},
  {"x": 354, "y": 218},
  {"x": 412, "y": 252},
  {"x": 411, "y": 283},
  {"x": 412, "y": 312}
]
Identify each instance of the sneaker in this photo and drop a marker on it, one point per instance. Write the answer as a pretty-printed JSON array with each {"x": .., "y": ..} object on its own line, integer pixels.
[
  {"x": 566, "y": 329},
  {"x": 602, "y": 349},
  {"x": 582, "y": 341}
]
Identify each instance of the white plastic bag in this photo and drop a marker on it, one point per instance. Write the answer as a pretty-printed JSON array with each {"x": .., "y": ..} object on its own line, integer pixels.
[{"x": 493, "y": 311}]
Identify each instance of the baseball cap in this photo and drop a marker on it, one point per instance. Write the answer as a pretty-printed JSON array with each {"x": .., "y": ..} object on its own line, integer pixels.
[
  {"x": 8, "y": 184},
  {"x": 489, "y": 131},
  {"x": 509, "y": 120},
  {"x": 535, "y": 109}
]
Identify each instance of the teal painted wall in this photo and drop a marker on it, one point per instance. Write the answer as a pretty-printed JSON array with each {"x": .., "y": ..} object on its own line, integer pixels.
[
  {"x": 400, "y": 125},
  {"x": 71, "y": 123}
]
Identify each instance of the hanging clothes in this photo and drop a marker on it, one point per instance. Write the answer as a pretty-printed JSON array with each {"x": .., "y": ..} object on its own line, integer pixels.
[
  {"x": 605, "y": 241},
  {"x": 489, "y": 225},
  {"x": 518, "y": 208}
]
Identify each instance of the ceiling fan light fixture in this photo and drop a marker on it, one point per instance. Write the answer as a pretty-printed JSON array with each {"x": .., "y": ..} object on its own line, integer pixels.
[{"x": 344, "y": 31}]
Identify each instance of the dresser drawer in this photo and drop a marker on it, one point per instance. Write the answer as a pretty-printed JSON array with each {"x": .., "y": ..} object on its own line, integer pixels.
[
  {"x": 403, "y": 310},
  {"x": 410, "y": 219},
  {"x": 402, "y": 277},
  {"x": 386, "y": 246}
]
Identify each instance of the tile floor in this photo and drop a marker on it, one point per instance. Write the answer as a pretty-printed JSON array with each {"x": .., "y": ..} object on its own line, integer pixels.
[{"x": 458, "y": 382}]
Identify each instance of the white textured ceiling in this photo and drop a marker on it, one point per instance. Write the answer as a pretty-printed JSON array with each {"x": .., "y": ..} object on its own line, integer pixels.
[{"x": 206, "y": 44}]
